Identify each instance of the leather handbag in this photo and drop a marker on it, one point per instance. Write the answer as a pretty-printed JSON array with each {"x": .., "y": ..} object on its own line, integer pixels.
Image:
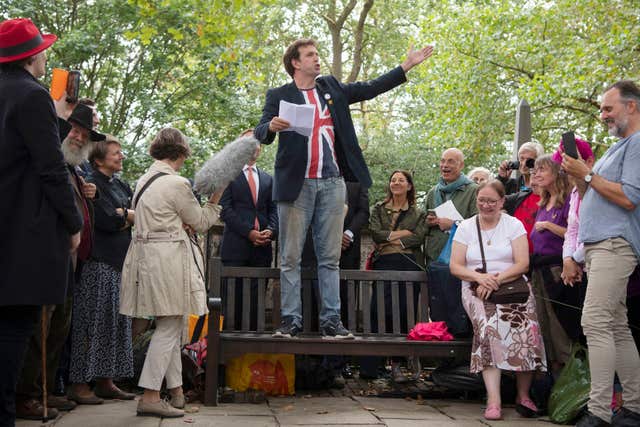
[{"x": 513, "y": 292}]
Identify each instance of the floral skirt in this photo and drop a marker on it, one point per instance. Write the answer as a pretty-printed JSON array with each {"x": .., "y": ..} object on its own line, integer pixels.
[{"x": 505, "y": 336}]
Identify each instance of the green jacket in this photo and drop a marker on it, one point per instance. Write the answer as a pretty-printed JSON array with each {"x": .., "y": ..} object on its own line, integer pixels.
[
  {"x": 464, "y": 199},
  {"x": 414, "y": 220}
]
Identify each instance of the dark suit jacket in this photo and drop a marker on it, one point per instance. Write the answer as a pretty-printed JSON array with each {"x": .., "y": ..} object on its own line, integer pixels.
[
  {"x": 238, "y": 213},
  {"x": 39, "y": 211},
  {"x": 291, "y": 158},
  {"x": 357, "y": 217}
]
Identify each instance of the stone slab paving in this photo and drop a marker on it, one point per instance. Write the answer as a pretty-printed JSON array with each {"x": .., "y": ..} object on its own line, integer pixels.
[{"x": 299, "y": 411}]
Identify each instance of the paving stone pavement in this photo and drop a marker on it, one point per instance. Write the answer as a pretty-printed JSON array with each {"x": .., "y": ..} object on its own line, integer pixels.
[{"x": 302, "y": 410}]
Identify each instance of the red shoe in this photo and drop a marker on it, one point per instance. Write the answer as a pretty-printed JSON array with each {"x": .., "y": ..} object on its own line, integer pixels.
[{"x": 493, "y": 412}]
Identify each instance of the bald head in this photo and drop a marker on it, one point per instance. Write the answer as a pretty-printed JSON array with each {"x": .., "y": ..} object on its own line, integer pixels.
[{"x": 451, "y": 164}]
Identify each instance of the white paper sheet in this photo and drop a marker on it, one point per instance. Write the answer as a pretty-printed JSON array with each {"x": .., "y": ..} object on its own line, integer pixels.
[
  {"x": 448, "y": 210},
  {"x": 300, "y": 116}
]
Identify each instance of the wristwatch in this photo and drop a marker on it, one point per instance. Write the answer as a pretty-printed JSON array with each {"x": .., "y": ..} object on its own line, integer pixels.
[{"x": 588, "y": 177}]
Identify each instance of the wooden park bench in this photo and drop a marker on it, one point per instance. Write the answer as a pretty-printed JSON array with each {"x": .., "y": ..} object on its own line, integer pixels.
[{"x": 235, "y": 340}]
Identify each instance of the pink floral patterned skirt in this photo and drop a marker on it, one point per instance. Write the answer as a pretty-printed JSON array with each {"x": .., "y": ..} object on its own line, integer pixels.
[{"x": 505, "y": 336}]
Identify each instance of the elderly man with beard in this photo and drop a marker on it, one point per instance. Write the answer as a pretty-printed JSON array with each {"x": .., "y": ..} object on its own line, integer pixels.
[{"x": 76, "y": 146}]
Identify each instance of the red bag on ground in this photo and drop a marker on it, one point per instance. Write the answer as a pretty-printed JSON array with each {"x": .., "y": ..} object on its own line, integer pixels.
[{"x": 430, "y": 331}]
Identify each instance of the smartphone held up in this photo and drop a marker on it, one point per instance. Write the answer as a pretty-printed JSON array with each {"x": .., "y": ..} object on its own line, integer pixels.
[{"x": 64, "y": 80}]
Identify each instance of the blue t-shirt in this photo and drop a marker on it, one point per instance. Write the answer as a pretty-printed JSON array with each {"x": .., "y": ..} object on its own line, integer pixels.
[{"x": 601, "y": 219}]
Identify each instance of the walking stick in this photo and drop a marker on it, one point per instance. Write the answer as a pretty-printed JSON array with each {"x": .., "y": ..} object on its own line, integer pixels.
[{"x": 43, "y": 337}]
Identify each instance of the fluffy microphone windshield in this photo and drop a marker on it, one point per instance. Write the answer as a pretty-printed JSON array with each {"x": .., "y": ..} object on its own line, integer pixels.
[{"x": 225, "y": 165}]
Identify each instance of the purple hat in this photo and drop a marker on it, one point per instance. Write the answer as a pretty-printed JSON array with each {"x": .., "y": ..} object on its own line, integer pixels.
[{"x": 583, "y": 148}]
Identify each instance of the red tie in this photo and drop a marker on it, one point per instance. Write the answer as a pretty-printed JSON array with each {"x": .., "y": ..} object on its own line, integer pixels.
[{"x": 254, "y": 195}]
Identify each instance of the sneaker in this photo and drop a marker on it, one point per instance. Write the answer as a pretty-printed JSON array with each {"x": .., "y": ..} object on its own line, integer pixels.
[
  {"x": 336, "y": 331},
  {"x": 287, "y": 329},
  {"x": 396, "y": 374},
  {"x": 590, "y": 420},
  {"x": 625, "y": 418}
]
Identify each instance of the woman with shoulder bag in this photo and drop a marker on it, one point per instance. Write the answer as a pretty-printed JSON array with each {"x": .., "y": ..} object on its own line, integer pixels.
[
  {"x": 162, "y": 274},
  {"x": 506, "y": 335}
]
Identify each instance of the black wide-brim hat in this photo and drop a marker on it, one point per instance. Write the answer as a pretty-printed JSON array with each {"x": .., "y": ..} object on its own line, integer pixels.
[
  {"x": 20, "y": 39},
  {"x": 82, "y": 115}
]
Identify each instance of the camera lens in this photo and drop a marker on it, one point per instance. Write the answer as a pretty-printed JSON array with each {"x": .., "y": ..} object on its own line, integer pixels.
[{"x": 530, "y": 163}]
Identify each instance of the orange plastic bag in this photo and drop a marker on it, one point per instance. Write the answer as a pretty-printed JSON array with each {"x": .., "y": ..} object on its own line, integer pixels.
[{"x": 275, "y": 374}]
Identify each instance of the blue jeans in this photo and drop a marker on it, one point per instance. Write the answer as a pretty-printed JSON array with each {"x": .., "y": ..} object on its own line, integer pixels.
[{"x": 321, "y": 205}]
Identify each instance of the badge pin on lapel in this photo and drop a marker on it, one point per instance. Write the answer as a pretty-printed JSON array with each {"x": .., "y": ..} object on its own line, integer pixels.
[{"x": 327, "y": 96}]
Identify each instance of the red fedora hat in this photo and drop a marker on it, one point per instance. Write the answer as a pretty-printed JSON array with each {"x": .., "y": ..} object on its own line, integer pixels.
[{"x": 20, "y": 38}]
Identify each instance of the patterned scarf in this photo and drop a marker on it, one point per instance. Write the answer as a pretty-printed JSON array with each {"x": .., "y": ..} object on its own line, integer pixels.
[{"x": 443, "y": 188}]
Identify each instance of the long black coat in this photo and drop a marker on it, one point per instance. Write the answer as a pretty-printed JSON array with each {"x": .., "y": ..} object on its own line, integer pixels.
[
  {"x": 291, "y": 158},
  {"x": 38, "y": 213}
]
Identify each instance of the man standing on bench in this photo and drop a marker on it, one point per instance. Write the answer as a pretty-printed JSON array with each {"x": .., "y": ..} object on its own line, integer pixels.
[{"x": 309, "y": 186}]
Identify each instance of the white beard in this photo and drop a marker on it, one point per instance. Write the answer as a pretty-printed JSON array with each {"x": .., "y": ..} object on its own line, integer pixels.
[{"x": 73, "y": 156}]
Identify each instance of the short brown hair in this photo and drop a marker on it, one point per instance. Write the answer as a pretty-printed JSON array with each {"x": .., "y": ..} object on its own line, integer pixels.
[
  {"x": 293, "y": 52},
  {"x": 496, "y": 185},
  {"x": 628, "y": 90},
  {"x": 101, "y": 149},
  {"x": 170, "y": 144}
]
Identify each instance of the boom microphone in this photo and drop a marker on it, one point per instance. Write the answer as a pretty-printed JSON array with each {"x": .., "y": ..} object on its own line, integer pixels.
[{"x": 225, "y": 165}]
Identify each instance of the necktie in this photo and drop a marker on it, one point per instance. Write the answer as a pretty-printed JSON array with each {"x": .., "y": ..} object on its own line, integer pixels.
[{"x": 254, "y": 195}]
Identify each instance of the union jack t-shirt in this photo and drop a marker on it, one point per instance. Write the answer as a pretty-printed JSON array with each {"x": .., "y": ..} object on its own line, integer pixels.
[{"x": 321, "y": 155}]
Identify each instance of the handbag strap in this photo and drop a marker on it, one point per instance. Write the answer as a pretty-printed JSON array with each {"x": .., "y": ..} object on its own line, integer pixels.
[
  {"x": 145, "y": 186},
  {"x": 484, "y": 261}
]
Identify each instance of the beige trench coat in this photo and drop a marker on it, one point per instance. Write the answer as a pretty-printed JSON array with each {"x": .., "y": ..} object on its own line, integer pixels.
[{"x": 160, "y": 276}]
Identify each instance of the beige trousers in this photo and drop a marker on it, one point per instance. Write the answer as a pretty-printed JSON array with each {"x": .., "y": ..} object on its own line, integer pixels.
[
  {"x": 163, "y": 356},
  {"x": 604, "y": 321}
]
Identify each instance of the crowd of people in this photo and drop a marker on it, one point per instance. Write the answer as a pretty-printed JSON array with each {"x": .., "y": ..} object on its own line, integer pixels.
[{"x": 84, "y": 255}]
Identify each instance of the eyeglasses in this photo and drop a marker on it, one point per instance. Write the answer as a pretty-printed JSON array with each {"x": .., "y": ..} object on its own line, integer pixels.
[{"x": 488, "y": 202}]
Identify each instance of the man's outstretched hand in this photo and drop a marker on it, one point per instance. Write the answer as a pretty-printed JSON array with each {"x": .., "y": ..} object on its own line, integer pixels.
[{"x": 415, "y": 57}]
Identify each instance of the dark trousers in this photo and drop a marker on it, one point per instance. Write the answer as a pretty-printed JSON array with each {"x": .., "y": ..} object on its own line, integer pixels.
[
  {"x": 16, "y": 327},
  {"x": 58, "y": 325},
  {"x": 238, "y": 308}
]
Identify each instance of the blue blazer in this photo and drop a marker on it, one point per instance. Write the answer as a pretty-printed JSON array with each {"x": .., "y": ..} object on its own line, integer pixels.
[
  {"x": 238, "y": 213},
  {"x": 291, "y": 158}
]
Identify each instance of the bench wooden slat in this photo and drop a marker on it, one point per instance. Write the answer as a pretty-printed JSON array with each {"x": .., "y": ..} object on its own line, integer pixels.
[
  {"x": 366, "y": 305},
  {"x": 261, "y": 310},
  {"x": 380, "y": 306},
  {"x": 411, "y": 319},
  {"x": 395, "y": 306},
  {"x": 246, "y": 304},
  {"x": 424, "y": 302},
  {"x": 230, "y": 316},
  {"x": 351, "y": 304}
]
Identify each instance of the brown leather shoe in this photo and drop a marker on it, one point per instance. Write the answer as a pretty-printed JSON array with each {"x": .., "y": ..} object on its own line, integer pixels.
[
  {"x": 32, "y": 409},
  {"x": 85, "y": 400},
  {"x": 61, "y": 403},
  {"x": 161, "y": 408},
  {"x": 114, "y": 394}
]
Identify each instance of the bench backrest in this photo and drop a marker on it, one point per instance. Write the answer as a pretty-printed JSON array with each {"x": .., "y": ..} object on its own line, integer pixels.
[{"x": 362, "y": 287}]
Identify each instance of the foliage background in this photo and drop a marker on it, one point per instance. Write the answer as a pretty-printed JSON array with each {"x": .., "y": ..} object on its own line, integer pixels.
[{"x": 204, "y": 66}]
